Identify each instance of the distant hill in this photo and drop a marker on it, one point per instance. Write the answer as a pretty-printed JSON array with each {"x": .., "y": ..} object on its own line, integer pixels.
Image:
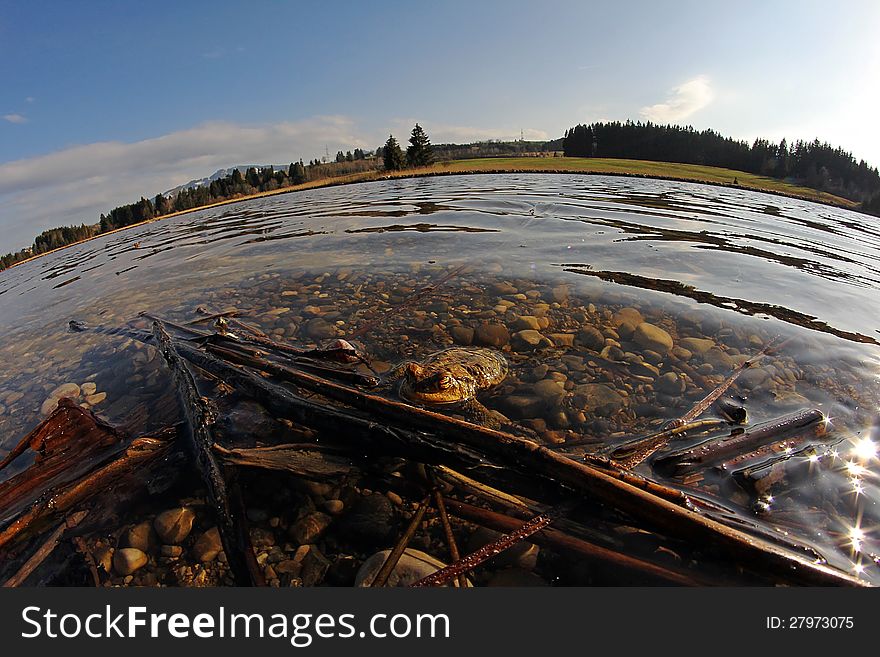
[{"x": 221, "y": 173}]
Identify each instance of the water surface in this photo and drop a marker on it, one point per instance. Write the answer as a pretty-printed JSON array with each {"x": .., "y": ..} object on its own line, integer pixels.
[{"x": 566, "y": 252}]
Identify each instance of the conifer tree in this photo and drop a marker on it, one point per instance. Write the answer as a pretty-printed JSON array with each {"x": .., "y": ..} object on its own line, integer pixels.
[
  {"x": 392, "y": 154},
  {"x": 418, "y": 153}
]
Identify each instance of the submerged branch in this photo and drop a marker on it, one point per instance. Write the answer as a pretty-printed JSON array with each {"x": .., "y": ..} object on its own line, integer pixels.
[{"x": 199, "y": 421}]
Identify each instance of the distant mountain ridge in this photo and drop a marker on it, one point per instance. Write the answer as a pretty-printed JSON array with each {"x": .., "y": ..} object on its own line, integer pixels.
[{"x": 221, "y": 173}]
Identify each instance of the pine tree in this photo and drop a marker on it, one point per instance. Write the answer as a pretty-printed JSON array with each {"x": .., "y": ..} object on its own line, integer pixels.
[
  {"x": 418, "y": 153},
  {"x": 392, "y": 155}
]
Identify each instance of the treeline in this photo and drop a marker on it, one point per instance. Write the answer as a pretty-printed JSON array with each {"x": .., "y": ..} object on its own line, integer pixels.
[
  {"x": 50, "y": 239},
  {"x": 813, "y": 164},
  {"x": 495, "y": 148},
  {"x": 235, "y": 185}
]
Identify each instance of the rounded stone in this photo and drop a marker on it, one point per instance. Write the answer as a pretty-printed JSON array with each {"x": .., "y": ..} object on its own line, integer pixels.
[
  {"x": 653, "y": 337},
  {"x": 208, "y": 546},
  {"x": 171, "y": 550},
  {"x": 463, "y": 335},
  {"x": 562, "y": 339},
  {"x": 310, "y": 528},
  {"x": 319, "y": 329},
  {"x": 719, "y": 360},
  {"x": 88, "y": 388},
  {"x": 697, "y": 345},
  {"x": 96, "y": 399},
  {"x": 413, "y": 566},
  {"x": 65, "y": 390},
  {"x": 627, "y": 316},
  {"x": 141, "y": 536},
  {"x": 490, "y": 334},
  {"x": 334, "y": 507},
  {"x": 671, "y": 384},
  {"x": 524, "y": 322},
  {"x": 591, "y": 338},
  {"x": 519, "y": 407},
  {"x": 174, "y": 525},
  {"x": 370, "y": 520},
  {"x": 128, "y": 560},
  {"x": 598, "y": 398},
  {"x": 549, "y": 390},
  {"x": 753, "y": 378},
  {"x": 502, "y": 288},
  {"x": 528, "y": 340},
  {"x": 49, "y": 405}
]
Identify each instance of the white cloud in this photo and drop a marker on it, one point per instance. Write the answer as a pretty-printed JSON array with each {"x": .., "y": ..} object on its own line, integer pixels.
[
  {"x": 77, "y": 184},
  {"x": 29, "y": 99},
  {"x": 15, "y": 118},
  {"x": 441, "y": 133},
  {"x": 685, "y": 99}
]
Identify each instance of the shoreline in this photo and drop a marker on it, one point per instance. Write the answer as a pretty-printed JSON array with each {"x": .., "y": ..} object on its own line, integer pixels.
[{"x": 438, "y": 170}]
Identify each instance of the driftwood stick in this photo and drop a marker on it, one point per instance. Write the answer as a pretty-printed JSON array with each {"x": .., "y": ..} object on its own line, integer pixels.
[
  {"x": 250, "y": 328},
  {"x": 381, "y": 578},
  {"x": 559, "y": 540},
  {"x": 199, "y": 421},
  {"x": 454, "y": 554},
  {"x": 480, "y": 489},
  {"x": 44, "y": 550},
  {"x": 486, "y": 552},
  {"x": 702, "y": 406},
  {"x": 713, "y": 451},
  {"x": 440, "y": 505},
  {"x": 630, "y": 454},
  {"x": 649, "y": 446}
]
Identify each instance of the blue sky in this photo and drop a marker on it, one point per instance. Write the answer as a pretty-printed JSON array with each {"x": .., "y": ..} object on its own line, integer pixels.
[{"x": 102, "y": 102}]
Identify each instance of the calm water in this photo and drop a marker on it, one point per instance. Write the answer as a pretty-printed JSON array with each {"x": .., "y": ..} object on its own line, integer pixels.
[{"x": 569, "y": 252}]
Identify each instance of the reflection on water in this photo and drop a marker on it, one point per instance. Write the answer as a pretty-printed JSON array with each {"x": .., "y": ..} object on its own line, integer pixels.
[{"x": 557, "y": 271}]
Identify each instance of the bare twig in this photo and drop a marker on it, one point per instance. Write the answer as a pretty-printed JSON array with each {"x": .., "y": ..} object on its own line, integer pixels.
[
  {"x": 486, "y": 552},
  {"x": 388, "y": 567}
]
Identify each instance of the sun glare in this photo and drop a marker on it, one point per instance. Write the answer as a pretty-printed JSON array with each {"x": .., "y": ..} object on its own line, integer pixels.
[{"x": 864, "y": 449}]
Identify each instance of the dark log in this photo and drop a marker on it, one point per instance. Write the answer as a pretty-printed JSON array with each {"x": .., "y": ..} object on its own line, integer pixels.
[
  {"x": 199, "y": 432},
  {"x": 708, "y": 453},
  {"x": 115, "y": 478},
  {"x": 68, "y": 443},
  {"x": 303, "y": 460}
]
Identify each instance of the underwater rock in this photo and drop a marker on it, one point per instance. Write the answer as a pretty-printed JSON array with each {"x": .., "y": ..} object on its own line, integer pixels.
[
  {"x": 174, "y": 525},
  {"x": 653, "y": 338}
]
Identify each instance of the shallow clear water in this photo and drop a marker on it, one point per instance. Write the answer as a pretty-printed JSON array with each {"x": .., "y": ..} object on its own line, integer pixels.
[{"x": 568, "y": 251}]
